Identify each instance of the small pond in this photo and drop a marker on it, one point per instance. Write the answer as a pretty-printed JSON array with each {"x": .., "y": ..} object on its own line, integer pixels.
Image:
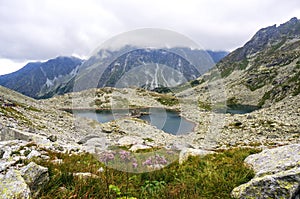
[
  {"x": 240, "y": 109},
  {"x": 166, "y": 120}
]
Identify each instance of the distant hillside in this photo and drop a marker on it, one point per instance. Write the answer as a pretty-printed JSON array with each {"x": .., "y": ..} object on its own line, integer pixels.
[{"x": 40, "y": 78}]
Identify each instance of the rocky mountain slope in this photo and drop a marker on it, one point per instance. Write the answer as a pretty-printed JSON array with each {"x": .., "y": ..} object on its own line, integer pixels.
[
  {"x": 41, "y": 79},
  {"x": 262, "y": 72},
  {"x": 267, "y": 68}
]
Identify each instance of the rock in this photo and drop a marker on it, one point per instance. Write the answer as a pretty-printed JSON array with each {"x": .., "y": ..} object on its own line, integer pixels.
[
  {"x": 31, "y": 130},
  {"x": 186, "y": 153},
  {"x": 275, "y": 160},
  {"x": 136, "y": 147},
  {"x": 57, "y": 161},
  {"x": 45, "y": 157},
  {"x": 130, "y": 140},
  {"x": 86, "y": 138},
  {"x": 100, "y": 170},
  {"x": 35, "y": 176},
  {"x": 33, "y": 153},
  {"x": 4, "y": 165},
  {"x": 107, "y": 128},
  {"x": 12, "y": 185},
  {"x": 52, "y": 138},
  {"x": 1, "y": 153},
  {"x": 249, "y": 117},
  {"x": 179, "y": 146},
  {"x": 284, "y": 184},
  {"x": 277, "y": 174},
  {"x": 85, "y": 175},
  {"x": 91, "y": 144}
]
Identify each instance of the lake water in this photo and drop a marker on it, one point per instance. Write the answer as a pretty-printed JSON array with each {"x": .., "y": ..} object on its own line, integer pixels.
[
  {"x": 240, "y": 109},
  {"x": 166, "y": 120}
]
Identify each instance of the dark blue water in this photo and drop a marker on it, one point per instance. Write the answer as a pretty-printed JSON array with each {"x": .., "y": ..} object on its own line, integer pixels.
[{"x": 166, "y": 120}]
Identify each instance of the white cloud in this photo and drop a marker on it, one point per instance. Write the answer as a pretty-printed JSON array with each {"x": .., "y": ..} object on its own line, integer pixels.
[
  {"x": 35, "y": 30},
  {"x": 9, "y": 66}
]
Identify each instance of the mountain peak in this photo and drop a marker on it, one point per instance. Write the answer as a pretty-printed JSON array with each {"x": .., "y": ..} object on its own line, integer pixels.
[
  {"x": 293, "y": 21},
  {"x": 267, "y": 37}
]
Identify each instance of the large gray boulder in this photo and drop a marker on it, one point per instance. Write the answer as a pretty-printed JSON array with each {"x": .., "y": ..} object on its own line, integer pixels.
[
  {"x": 12, "y": 185},
  {"x": 277, "y": 174},
  {"x": 275, "y": 160},
  {"x": 35, "y": 176}
]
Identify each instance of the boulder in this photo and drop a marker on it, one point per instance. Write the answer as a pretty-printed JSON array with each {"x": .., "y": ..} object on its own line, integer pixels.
[
  {"x": 130, "y": 140},
  {"x": 52, "y": 138},
  {"x": 12, "y": 185},
  {"x": 35, "y": 176},
  {"x": 137, "y": 147},
  {"x": 33, "y": 153},
  {"x": 187, "y": 152},
  {"x": 100, "y": 143},
  {"x": 277, "y": 174},
  {"x": 271, "y": 161},
  {"x": 86, "y": 138},
  {"x": 283, "y": 184}
]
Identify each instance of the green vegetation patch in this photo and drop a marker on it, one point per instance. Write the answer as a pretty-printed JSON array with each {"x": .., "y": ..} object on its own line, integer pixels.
[
  {"x": 164, "y": 99},
  {"x": 229, "y": 68},
  {"x": 17, "y": 115},
  {"x": 213, "y": 176},
  {"x": 205, "y": 105}
]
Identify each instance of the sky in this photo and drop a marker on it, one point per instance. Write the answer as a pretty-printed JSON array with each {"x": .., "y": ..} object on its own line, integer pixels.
[{"x": 38, "y": 30}]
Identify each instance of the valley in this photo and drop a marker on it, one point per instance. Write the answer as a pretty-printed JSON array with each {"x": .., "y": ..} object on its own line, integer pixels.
[{"x": 260, "y": 80}]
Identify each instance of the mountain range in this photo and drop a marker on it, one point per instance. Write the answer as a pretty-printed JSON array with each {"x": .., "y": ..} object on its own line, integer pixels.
[
  {"x": 263, "y": 71},
  {"x": 39, "y": 78},
  {"x": 58, "y": 75}
]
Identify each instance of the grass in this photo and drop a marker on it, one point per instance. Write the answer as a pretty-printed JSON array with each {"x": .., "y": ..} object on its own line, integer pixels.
[
  {"x": 205, "y": 105},
  {"x": 213, "y": 176},
  {"x": 17, "y": 115},
  {"x": 165, "y": 99}
]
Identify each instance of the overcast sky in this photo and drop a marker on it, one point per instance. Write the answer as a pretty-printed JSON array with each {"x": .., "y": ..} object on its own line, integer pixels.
[{"x": 42, "y": 29}]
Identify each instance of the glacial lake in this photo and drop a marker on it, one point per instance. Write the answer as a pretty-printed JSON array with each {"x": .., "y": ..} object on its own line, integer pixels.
[
  {"x": 166, "y": 120},
  {"x": 241, "y": 109}
]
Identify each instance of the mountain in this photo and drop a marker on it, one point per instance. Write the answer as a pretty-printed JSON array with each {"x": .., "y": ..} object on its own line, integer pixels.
[
  {"x": 148, "y": 68},
  {"x": 106, "y": 67},
  {"x": 265, "y": 70},
  {"x": 38, "y": 79}
]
